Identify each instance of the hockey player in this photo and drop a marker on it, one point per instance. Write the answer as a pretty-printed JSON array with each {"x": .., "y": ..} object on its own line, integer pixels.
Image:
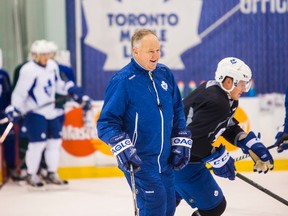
[
  {"x": 9, "y": 143},
  {"x": 209, "y": 112},
  {"x": 34, "y": 99},
  {"x": 282, "y": 136},
  {"x": 142, "y": 110}
]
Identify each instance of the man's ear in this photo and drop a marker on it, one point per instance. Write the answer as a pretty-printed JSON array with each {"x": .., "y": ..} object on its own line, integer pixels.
[
  {"x": 227, "y": 83},
  {"x": 135, "y": 51}
]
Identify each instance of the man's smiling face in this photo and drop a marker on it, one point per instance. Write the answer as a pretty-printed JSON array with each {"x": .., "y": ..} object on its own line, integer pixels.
[{"x": 147, "y": 52}]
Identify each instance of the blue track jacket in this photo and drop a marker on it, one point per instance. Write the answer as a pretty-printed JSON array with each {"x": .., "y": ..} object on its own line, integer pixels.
[{"x": 147, "y": 113}]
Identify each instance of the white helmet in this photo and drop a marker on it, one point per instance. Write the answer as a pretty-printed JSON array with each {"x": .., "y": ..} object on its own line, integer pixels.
[
  {"x": 236, "y": 69},
  {"x": 39, "y": 47},
  {"x": 52, "y": 46}
]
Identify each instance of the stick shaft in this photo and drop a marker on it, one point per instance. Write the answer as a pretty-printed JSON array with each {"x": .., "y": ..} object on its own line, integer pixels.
[
  {"x": 259, "y": 187},
  {"x": 4, "y": 120},
  {"x": 6, "y": 132},
  {"x": 60, "y": 99},
  {"x": 133, "y": 190},
  {"x": 247, "y": 155}
]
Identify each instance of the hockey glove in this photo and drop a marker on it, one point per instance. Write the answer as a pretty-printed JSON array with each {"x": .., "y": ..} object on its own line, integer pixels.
[
  {"x": 12, "y": 114},
  {"x": 77, "y": 95},
  {"x": 125, "y": 152},
  {"x": 252, "y": 145},
  {"x": 181, "y": 146},
  {"x": 222, "y": 163},
  {"x": 86, "y": 103},
  {"x": 282, "y": 140}
]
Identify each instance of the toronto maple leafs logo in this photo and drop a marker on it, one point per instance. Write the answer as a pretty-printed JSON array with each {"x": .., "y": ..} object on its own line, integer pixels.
[
  {"x": 48, "y": 88},
  {"x": 111, "y": 24},
  {"x": 164, "y": 85}
]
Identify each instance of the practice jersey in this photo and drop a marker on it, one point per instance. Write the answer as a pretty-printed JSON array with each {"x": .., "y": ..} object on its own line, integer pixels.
[
  {"x": 36, "y": 88},
  {"x": 210, "y": 113}
]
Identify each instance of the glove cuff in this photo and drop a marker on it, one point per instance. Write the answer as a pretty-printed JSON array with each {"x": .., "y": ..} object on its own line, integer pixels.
[
  {"x": 121, "y": 146},
  {"x": 248, "y": 142},
  {"x": 182, "y": 141},
  {"x": 120, "y": 143},
  {"x": 219, "y": 158}
]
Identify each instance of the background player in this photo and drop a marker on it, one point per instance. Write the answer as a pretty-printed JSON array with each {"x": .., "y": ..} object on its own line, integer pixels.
[
  {"x": 209, "y": 112},
  {"x": 34, "y": 99},
  {"x": 282, "y": 136}
]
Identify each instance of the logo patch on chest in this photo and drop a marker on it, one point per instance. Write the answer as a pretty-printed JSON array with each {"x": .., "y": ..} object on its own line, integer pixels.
[{"x": 164, "y": 85}]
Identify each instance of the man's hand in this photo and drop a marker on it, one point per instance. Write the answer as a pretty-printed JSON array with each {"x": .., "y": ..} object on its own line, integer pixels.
[
  {"x": 281, "y": 141},
  {"x": 12, "y": 114},
  {"x": 125, "y": 152},
  {"x": 181, "y": 146},
  {"x": 252, "y": 145},
  {"x": 222, "y": 163}
]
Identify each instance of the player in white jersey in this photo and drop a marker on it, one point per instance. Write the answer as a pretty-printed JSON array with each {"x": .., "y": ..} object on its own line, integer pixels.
[{"x": 33, "y": 98}]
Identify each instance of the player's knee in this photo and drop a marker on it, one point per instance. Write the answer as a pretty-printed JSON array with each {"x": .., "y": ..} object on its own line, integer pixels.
[{"x": 217, "y": 211}]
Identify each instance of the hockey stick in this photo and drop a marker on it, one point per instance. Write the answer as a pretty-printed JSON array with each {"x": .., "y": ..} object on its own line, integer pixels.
[
  {"x": 247, "y": 155},
  {"x": 136, "y": 213},
  {"x": 4, "y": 120},
  {"x": 242, "y": 157},
  {"x": 60, "y": 99},
  {"x": 6, "y": 132},
  {"x": 259, "y": 187}
]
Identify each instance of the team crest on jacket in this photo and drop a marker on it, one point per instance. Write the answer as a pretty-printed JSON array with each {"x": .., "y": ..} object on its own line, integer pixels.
[{"x": 164, "y": 85}]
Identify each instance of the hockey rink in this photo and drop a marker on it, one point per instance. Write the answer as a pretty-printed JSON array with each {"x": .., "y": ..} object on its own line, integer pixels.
[{"x": 111, "y": 196}]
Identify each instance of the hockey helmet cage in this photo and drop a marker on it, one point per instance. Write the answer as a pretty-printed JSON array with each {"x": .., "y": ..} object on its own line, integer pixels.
[
  {"x": 40, "y": 47},
  {"x": 236, "y": 69}
]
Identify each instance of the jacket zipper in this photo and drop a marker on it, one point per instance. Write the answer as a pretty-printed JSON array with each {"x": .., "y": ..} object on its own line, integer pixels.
[{"x": 162, "y": 119}]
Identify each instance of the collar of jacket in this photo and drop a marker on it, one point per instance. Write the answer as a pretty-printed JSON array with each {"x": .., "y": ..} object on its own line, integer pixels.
[{"x": 139, "y": 67}]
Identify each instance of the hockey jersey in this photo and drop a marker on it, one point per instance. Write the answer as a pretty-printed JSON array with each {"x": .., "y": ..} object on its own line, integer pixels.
[
  {"x": 210, "y": 113},
  {"x": 36, "y": 88}
]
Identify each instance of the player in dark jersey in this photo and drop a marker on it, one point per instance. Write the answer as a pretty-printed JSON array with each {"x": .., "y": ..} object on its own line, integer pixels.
[
  {"x": 282, "y": 135},
  {"x": 209, "y": 112},
  {"x": 8, "y": 145}
]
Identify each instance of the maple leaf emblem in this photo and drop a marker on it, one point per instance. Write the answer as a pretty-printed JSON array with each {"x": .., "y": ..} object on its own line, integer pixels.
[{"x": 111, "y": 24}]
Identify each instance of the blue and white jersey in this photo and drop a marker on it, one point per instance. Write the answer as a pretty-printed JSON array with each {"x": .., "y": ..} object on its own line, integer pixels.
[
  {"x": 147, "y": 108},
  {"x": 37, "y": 86}
]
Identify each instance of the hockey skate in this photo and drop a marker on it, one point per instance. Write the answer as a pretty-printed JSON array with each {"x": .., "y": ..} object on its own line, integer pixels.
[
  {"x": 20, "y": 177},
  {"x": 34, "y": 183},
  {"x": 54, "y": 182}
]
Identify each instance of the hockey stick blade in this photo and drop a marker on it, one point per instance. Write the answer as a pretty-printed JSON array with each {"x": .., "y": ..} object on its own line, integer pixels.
[
  {"x": 6, "y": 132},
  {"x": 259, "y": 187}
]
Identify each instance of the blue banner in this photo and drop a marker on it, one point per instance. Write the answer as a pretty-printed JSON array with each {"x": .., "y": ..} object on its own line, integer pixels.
[{"x": 195, "y": 35}]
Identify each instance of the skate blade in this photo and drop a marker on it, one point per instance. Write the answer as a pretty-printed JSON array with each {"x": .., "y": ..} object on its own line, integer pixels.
[{"x": 54, "y": 187}]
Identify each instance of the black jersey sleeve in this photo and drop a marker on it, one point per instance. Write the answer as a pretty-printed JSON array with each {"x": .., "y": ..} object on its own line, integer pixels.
[{"x": 232, "y": 133}]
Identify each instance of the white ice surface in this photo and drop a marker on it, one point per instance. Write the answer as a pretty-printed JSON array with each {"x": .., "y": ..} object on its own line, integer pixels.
[{"x": 111, "y": 197}]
